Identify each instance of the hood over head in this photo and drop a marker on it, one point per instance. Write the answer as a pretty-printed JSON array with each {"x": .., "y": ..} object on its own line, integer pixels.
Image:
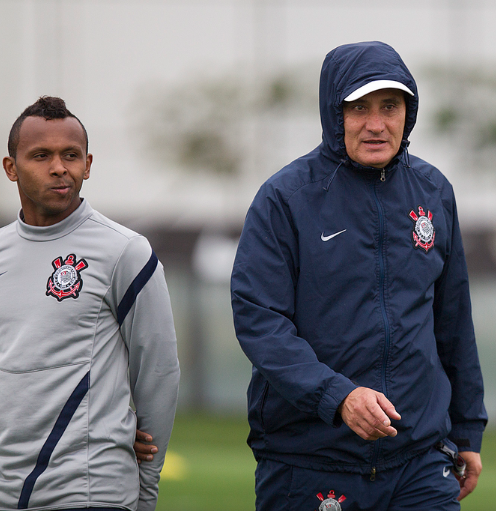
[{"x": 346, "y": 69}]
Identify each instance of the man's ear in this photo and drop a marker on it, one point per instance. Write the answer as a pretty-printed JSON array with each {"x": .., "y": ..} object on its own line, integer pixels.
[
  {"x": 89, "y": 161},
  {"x": 9, "y": 165}
]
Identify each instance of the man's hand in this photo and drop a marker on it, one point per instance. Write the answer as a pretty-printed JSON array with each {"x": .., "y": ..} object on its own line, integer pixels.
[
  {"x": 144, "y": 451},
  {"x": 368, "y": 413},
  {"x": 472, "y": 472}
]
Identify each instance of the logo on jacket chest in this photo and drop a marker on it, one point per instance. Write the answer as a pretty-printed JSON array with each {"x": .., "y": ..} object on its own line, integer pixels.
[
  {"x": 65, "y": 281},
  {"x": 423, "y": 231}
]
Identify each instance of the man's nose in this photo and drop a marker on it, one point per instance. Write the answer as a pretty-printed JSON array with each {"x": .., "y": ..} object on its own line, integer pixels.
[
  {"x": 375, "y": 122},
  {"x": 57, "y": 166}
]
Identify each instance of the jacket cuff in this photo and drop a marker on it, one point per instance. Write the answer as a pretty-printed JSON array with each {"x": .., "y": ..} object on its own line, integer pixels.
[
  {"x": 337, "y": 391},
  {"x": 466, "y": 439}
]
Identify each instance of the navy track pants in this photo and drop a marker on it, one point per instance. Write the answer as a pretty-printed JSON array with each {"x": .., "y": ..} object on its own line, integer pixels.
[{"x": 425, "y": 483}]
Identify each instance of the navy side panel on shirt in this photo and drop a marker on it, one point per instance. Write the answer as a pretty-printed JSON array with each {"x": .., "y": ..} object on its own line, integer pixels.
[
  {"x": 136, "y": 286},
  {"x": 56, "y": 434}
]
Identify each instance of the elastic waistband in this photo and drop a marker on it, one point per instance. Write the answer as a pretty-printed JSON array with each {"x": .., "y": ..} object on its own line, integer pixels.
[{"x": 329, "y": 465}]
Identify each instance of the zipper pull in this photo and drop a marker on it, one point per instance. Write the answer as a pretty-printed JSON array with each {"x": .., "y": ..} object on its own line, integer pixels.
[
  {"x": 383, "y": 175},
  {"x": 372, "y": 474}
]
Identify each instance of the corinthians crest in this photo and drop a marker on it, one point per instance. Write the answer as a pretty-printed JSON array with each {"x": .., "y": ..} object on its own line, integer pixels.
[
  {"x": 330, "y": 503},
  {"x": 65, "y": 281},
  {"x": 423, "y": 233}
]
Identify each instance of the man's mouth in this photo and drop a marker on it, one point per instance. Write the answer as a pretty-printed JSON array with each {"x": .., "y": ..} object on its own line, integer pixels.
[
  {"x": 374, "y": 142},
  {"x": 61, "y": 188}
]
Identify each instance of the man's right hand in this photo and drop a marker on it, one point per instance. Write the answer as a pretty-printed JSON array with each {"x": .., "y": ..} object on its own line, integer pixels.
[
  {"x": 368, "y": 413},
  {"x": 142, "y": 447}
]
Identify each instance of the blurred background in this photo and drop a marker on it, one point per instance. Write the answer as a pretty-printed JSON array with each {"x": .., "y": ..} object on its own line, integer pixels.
[{"x": 191, "y": 104}]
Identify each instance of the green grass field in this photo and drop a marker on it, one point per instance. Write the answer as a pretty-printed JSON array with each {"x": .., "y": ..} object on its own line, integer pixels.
[{"x": 210, "y": 467}]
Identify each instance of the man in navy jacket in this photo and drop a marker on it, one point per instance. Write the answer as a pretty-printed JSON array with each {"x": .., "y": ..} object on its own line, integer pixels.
[{"x": 350, "y": 297}]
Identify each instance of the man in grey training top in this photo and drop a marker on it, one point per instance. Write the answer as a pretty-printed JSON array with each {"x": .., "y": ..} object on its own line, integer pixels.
[{"x": 85, "y": 324}]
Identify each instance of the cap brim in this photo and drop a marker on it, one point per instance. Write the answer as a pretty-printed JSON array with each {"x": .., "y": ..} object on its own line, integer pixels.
[{"x": 377, "y": 85}]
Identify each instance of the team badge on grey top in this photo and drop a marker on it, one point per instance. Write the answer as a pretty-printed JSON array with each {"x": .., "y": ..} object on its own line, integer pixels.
[{"x": 65, "y": 281}]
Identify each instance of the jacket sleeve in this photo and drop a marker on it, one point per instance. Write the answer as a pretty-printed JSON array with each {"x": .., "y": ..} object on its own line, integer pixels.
[
  {"x": 263, "y": 284},
  {"x": 456, "y": 342},
  {"x": 145, "y": 318}
]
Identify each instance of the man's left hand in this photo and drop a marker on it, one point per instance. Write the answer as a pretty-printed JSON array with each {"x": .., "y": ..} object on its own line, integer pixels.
[
  {"x": 472, "y": 472},
  {"x": 144, "y": 451}
]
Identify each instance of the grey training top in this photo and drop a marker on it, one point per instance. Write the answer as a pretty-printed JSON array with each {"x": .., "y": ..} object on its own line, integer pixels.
[{"x": 85, "y": 324}]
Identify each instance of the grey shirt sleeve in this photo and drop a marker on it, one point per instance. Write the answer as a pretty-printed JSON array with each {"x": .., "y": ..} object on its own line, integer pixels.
[{"x": 147, "y": 328}]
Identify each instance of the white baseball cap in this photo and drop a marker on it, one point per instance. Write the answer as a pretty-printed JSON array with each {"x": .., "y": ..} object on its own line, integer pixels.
[{"x": 376, "y": 85}]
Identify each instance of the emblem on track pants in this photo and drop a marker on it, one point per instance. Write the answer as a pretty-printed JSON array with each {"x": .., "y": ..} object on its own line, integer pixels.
[
  {"x": 423, "y": 233},
  {"x": 330, "y": 503},
  {"x": 65, "y": 281}
]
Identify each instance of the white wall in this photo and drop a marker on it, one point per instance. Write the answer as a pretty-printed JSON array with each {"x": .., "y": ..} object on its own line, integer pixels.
[{"x": 99, "y": 54}]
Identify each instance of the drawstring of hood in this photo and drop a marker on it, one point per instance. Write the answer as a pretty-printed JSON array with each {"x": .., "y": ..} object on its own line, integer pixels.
[
  {"x": 329, "y": 181},
  {"x": 407, "y": 155}
]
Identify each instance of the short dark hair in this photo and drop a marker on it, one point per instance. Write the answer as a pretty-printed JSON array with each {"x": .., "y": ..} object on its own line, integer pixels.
[{"x": 49, "y": 108}]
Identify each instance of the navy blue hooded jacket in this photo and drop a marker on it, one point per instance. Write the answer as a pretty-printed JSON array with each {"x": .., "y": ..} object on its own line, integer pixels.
[{"x": 385, "y": 304}]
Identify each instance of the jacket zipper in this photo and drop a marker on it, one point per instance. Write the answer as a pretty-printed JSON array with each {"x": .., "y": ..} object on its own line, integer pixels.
[
  {"x": 382, "y": 300},
  {"x": 372, "y": 474}
]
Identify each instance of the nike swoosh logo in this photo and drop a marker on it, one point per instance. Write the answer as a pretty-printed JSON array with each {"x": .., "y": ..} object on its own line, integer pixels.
[
  {"x": 446, "y": 471},
  {"x": 327, "y": 238}
]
